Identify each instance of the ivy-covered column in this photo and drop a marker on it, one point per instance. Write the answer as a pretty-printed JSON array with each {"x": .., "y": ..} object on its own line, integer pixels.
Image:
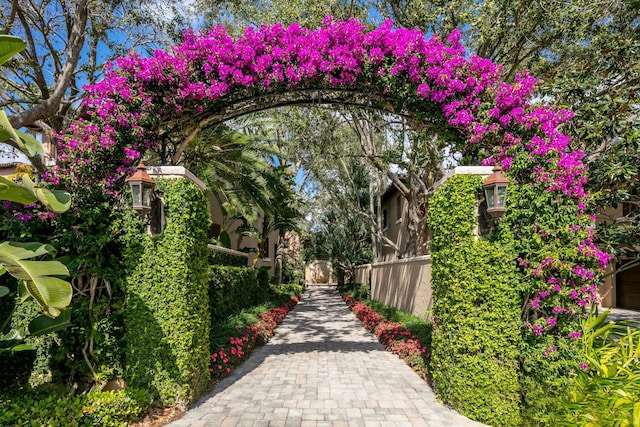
[
  {"x": 476, "y": 310},
  {"x": 167, "y": 311}
]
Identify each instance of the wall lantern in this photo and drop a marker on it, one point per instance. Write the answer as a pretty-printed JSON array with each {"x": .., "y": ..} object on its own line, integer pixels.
[
  {"x": 142, "y": 186},
  {"x": 495, "y": 192}
]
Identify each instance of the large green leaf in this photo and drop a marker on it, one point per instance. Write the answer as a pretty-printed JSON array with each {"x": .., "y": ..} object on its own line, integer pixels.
[
  {"x": 13, "y": 341},
  {"x": 54, "y": 200},
  {"x": 4, "y": 291},
  {"x": 51, "y": 293},
  {"x": 42, "y": 324},
  {"x": 13, "y": 192},
  {"x": 9, "y": 46},
  {"x": 27, "y": 143}
]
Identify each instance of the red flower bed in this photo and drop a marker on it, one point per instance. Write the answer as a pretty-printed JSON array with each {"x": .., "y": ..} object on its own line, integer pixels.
[
  {"x": 239, "y": 348},
  {"x": 393, "y": 336}
]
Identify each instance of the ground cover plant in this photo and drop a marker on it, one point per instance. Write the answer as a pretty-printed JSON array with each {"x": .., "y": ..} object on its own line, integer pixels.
[
  {"x": 51, "y": 405},
  {"x": 395, "y": 336}
]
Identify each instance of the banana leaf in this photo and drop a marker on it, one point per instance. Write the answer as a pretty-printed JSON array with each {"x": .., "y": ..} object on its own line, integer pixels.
[{"x": 39, "y": 279}]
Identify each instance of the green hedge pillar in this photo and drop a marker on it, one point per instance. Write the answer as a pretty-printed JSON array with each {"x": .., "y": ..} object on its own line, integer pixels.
[
  {"x": 167, "y": 311},
  {"x": 476, "y": 310}
]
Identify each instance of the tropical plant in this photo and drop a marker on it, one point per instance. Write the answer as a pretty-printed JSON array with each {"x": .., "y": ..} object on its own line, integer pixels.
[
  {"x": 233, "y": 164},
  {"x": 39, "y": 280},
  {"x": 606, "y": 389},
  {"x": 280, "y": 213}
]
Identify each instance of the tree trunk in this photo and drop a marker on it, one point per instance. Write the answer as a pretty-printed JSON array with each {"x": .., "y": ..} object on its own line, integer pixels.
[{"x": 277, "y": 268}]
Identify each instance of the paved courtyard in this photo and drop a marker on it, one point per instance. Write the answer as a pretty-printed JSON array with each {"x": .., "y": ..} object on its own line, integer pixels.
[{"x": 322, "y": 368}]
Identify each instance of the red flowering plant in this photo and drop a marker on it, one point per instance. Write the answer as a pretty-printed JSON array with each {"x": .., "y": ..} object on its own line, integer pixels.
[
  {"x": 239, "y": 348},
  {"x": 393, "y": 336}
]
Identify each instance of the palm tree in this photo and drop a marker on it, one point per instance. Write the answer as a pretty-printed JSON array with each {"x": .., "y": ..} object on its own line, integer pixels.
[{"x": 235, "y": 165}]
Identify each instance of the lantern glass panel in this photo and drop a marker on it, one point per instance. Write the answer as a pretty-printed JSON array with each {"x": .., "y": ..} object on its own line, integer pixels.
[
  {"x": 490, "y": 193},
  {"x": 147, "y": 195},
  {"x": 502, "y": 192},
  {"x": 136, "y": 193}
]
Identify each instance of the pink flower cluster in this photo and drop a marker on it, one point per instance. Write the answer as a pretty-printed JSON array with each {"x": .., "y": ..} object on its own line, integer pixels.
[
  {"x": 394, "y": 337},
  {"x": 142, "y": 95},
  {"x": 142, "y": 99},
  {"x": 227, "y": 358}
]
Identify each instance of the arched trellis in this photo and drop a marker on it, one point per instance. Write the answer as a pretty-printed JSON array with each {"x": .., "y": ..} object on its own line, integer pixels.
[
  {"x": 211, "y": 77},
  {"x": 299, "y": 97}
]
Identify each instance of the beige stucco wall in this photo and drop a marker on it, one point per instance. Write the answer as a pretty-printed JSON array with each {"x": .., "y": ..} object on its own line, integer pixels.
[
  {"x": 319, "y": 272},
  {"x": 607, "y": 288},
  {"x": 404, "y": 284},
  {"x": 362, "y": 274}
]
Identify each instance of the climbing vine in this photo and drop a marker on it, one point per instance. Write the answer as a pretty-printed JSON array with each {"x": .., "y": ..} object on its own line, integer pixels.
[{"x": 160, "y": 102}]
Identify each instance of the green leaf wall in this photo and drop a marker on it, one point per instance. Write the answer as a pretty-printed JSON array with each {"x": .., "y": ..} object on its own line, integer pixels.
[
  {"x": 476, "y": 310},
  {"x": 167, "y": 314}
]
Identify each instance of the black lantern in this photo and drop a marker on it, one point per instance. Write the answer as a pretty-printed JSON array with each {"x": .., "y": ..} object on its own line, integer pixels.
[
  {"x": 142, "y": 186},
  {"x": 495, "y": 192}
]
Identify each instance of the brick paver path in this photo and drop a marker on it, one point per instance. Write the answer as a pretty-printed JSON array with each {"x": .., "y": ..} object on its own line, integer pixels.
[{"x": 322, "y": 368}]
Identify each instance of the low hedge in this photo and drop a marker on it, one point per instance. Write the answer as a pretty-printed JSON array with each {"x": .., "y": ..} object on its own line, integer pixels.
[
  {"x": 222, "y": 258},
  {"x": 51, "y": 407},
  {"x": 233, "y": 288}
]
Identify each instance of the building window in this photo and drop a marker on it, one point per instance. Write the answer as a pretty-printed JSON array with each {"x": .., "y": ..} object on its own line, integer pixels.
[
  {"x": 265, "y": 248},
  {"x": 398, "y": 209},
  {"x": 385, "y": 219}
]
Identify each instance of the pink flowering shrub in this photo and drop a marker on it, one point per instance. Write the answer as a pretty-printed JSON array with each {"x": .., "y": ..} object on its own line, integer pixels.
[
  {"x": 392, "y": 335},
  {"x": 146, "y": 102},
  {"x": 239, "y": 348},
  {"x": 143, "y": 101}
]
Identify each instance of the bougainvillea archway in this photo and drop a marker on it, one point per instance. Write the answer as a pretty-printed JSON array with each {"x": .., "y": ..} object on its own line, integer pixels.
[{"x": 161, "y": 101}]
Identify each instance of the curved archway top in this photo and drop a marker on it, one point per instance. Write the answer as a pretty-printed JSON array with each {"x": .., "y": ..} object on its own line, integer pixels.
[
  {"x": 170, "y": 96},
  {"x": 210, "y": 77}
]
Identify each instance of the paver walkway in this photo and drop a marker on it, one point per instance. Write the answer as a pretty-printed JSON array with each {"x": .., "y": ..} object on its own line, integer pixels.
[{"x": 322, "y": 368}]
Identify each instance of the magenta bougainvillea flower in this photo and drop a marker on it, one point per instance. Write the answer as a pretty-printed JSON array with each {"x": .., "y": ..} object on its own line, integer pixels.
[{"x": 142, "y": 100}]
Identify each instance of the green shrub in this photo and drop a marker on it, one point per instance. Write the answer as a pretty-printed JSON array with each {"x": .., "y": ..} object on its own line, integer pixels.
[
  {"x": 233, "y": 288},
  {"x": 289, "y": 289},
  {"x": 52, "y": 407},
  {"x": 222, "y": 258},
  {"x": 476, "y": 311},
  {"x": 167, "y": 313},
  {"x": 292, "y": 273},
  {"x": 117, "y": 408}
]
